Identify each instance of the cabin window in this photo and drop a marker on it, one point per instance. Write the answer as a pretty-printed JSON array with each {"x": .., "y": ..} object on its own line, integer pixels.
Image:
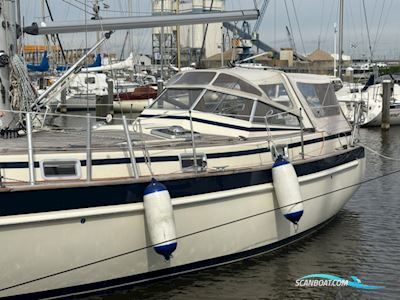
[
  {"x": 321, "y": 98},
  {"x": 60, "y": 169},
  {"x": 90, "y": 80},
  {"x": 226, "y": 105},
  {"x": 187, "y": 162},
  {"x": 196, "y": 78},
  {"x": 275, "y": 117},
  {"x": 277, "y": 92},
  {"x": 177, "y": 99},
  {"x": 234, "y": 83}
]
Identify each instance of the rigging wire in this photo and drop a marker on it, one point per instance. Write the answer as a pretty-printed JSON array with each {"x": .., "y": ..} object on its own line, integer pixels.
[
  {"x": 120, "y": 11},
  {"x": 386, "y": 18},
  {"x": 84, "y": 4},
  {"x": 290, "y": 25},
  {"x": 369, "y": 36},
  {"x": 196, "y": 232},
  {"x": 379, "y": 23},
  {"x": 76, "y": 6},
  {"x": 298, "y": 26},
  {"x": 275, "y": 19},
  {"x": 57, "y": 36},
  {"x": 322, "y": 21},
  {"x": 351, "y": 17},
  {"x": 328, "y": 26}
]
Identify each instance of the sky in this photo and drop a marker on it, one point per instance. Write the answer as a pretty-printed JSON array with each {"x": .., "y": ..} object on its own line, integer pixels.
[{"x": 312, "y": 23}]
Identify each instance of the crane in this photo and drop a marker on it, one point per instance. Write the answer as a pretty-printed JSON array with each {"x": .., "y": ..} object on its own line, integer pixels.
[
  {"x": 263, "y": 9},
  {"x": 250, "y": 35}
]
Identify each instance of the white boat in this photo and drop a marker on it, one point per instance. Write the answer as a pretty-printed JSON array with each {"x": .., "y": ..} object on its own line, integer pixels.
[
  {"x": 73, "y": 219},
  {"x": 370, "y": 98}
]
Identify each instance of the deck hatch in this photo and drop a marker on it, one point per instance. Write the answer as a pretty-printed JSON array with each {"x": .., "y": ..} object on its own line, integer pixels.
[{"x": 174, "y": 132}]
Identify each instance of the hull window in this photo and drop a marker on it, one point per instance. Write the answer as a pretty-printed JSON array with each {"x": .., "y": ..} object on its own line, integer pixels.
[
  {"x": 187, "y": 162},
  {"x": 60, "y": 169}
]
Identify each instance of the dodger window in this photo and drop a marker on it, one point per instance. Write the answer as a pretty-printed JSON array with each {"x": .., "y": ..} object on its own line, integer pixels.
[
  {"x": 234, "y": 83},
  {"x": 226, "y": 105},
  {"x": 321, "y": 98},
  {"x": 275, "y": 117},
  {"x": 277, "y": 92},
  {"x": 177, "y": 99},
  {"x": 195, "y": 78}
]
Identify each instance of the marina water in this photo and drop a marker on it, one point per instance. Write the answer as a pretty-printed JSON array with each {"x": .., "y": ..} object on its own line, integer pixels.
[{"x": 361, "y": 241}]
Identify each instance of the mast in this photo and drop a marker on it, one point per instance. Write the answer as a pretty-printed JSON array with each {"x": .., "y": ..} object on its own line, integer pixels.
[
  {"x": 8, "y": 45},
  {"x": 341, "y": 15},
  {"x": 130, "y": 10},
  {"x": 162, "y": 41},
  {"x": 334, "y": 51},
  {"x": 96, "y": 10},
  {"x": 178, "y": 39}
]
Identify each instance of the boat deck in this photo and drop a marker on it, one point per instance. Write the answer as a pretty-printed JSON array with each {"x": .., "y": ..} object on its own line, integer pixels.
[
  {"x": 74, "y": 140},
  {"x": 62, "y": 140}
]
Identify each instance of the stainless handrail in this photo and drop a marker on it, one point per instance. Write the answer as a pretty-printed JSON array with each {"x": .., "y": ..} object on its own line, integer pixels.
[
  {"x": 31, "y": 162},
  {"x": 88, "y": 149},
  {"x": 130, "y": 148}
]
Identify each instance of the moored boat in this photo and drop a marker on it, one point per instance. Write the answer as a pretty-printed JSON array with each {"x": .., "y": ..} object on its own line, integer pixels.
[
  {"x": 135, "y": 100},
  {"x": 75, "y": 220},
  {"x": 369, "y": 97}
]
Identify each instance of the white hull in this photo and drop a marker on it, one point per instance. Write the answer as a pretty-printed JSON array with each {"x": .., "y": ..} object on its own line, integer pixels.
[
  {"x": 372, "y": 98},
  {"x": 81, "y": 102},
  {"x": 394, "y": 118},
  {"x": 37, "y": 245}
]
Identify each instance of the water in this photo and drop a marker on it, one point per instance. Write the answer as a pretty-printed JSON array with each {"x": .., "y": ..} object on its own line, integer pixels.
[{"x": 363, "y": 240}]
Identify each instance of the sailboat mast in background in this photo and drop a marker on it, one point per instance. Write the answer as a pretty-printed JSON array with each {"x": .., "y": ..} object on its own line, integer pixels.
[{"x": 341, "y": 37}]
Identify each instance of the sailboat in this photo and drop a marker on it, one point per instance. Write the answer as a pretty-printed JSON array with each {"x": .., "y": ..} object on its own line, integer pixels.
[{"x": 214, "y": 171}]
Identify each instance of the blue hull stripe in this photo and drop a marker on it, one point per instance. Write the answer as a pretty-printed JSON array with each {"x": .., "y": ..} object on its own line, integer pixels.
[
  {"x": 117, "y": 161},
  {"x": 46, "y": 200},
  {"x": 173, "y": 271}
]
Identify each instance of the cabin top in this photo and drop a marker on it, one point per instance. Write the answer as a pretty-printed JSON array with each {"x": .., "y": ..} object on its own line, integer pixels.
[{"x": 249, "y": 100}]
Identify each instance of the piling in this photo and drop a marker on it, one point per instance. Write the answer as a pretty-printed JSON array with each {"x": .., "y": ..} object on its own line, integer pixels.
[
  {"x": 63, "y": 107},
  {"x": 387, "y": 89},
  {"x": 160, "y": 86},
  {"x": 104, "y": 103},
  {"x": 110, "y": 85}
]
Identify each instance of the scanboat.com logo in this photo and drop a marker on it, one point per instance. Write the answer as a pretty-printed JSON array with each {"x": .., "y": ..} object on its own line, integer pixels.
[{"x": 318, "y": 280}]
